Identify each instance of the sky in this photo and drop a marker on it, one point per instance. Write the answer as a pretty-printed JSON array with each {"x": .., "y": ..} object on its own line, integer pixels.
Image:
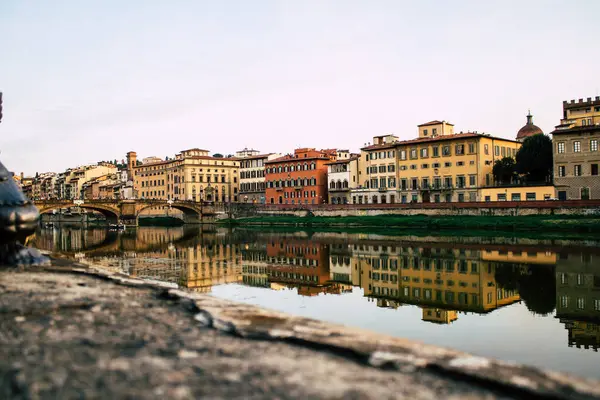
[{"x": 86, "y": 81}]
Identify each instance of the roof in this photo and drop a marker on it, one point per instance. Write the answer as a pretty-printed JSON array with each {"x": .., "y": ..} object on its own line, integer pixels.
[
  {"x": 251, "y": 157},
  {"x": 456, "y": 136},
  {"x": 435, "y": 122},
  {"x": 577, "y": 129},
  {"x": 292, "y": 158},
  {"x": 344, "y": 161},
  {"x": 194, "y": 149}
]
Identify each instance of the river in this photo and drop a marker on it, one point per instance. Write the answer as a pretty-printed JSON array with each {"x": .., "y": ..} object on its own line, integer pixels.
[{"x": 529, "y": 300}]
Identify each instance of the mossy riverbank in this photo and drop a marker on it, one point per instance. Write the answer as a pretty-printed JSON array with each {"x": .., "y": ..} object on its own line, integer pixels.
[{"x": 534, "y": 223}]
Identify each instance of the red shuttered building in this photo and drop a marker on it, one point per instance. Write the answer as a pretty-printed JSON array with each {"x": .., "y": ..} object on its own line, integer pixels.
[{"x": 299, "y": 178}]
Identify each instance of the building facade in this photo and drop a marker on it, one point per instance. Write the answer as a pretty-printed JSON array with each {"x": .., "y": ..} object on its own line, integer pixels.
[
  {"x": 192, "y": 175},
  {"x": 575, "y": 149},
  {"x": 252, "y": 175},
  {"x": 342, "y": 177},
  {"x": 299, "y": 178},
  {"x": 438, "y": 166}
]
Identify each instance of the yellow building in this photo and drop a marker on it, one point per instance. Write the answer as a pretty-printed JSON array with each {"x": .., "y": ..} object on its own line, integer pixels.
[
  {"x": 440, "y": 280},
  {"x": 517, "y": 193},
  {"x": 191, "y": 175},
  {"x": 438, "y": 166}
]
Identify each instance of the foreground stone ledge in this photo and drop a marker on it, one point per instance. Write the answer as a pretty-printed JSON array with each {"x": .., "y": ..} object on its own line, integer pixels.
[{"x": 71, "y": 330}]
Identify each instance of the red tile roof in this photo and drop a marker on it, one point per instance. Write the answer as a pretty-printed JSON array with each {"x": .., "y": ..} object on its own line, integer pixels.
[{"x": 435, "y": 122}]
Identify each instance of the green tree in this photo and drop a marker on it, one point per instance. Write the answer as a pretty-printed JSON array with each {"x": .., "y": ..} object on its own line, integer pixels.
[
  {"x": 534, "y": 159},
  {"x": 504, "y": 171}
]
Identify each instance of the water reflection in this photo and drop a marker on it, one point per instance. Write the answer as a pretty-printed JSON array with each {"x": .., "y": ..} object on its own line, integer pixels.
[{"x": 446, "y": 278}]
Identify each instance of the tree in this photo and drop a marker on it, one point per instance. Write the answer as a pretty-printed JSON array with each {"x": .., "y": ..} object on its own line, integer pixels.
[
  {"x": 504, "y": 171},
  {"x": 218, "y": 155},
  {"x": 534, "y": 159}
]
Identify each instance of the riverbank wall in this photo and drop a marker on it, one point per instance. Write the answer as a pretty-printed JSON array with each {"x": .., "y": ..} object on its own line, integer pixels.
[
  {"x": 77, "y": 331},
  {"x": 502, "y": 208}
]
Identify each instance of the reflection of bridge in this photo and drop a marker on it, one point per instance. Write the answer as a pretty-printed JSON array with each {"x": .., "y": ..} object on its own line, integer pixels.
[{"x": 128, "y": 211}]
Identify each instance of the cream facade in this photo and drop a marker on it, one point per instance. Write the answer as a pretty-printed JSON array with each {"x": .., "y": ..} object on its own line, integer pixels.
[
  {"x": 252, "y": 175},
  {"x": 192, "y": 175},
  {"x": 342, "y": 177}
]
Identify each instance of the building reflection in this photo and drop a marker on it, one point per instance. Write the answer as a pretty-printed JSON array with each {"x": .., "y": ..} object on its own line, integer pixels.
[
  {"x": 578, "y": 298},
  {"x": 444, "y": 278}
]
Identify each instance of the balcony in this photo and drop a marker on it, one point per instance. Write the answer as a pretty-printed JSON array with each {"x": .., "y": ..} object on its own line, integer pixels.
[{"x": 382, "y": 189}]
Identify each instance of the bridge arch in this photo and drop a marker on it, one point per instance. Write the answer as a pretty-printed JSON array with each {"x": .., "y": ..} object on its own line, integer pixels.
[
  {"x": 110, "y": 213},
  {"x": 191, "y": 212}
]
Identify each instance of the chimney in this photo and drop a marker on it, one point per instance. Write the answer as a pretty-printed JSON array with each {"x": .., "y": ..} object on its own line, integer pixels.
[
  {"x": 22, "y": 176},
  {"x": 581, "y": 100},
  {"x": 589, "y": 99}
]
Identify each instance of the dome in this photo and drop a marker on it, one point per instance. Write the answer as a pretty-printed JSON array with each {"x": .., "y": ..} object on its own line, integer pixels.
[{"x": 529, "y": 129}]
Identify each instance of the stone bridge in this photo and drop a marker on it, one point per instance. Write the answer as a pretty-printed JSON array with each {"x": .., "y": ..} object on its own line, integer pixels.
[{"x": 128, "y": 211}]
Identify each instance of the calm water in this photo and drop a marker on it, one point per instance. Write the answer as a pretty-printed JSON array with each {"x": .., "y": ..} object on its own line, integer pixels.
[{"x": 531, "y": 301}]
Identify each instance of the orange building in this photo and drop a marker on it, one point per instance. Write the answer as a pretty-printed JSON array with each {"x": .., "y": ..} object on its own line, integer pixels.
[
  {"x": 301, "y": 264},
  {"x": 300, "y": 178}
]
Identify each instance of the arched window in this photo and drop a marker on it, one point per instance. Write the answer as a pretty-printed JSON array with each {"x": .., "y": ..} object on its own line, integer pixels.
[
  {"x": 313, "y": 181},
  {"x": 332, "y": 185},
  {"x": 279, "y": 169},
  {"x": 285, "y": 168},
  {"x": 374, "y": 199},
  {"x": 345, "y": 185},
  {"x": 338, "y": 185},
  {"x": 305, "y": 166},
  {"x": 313, "y": 165}
]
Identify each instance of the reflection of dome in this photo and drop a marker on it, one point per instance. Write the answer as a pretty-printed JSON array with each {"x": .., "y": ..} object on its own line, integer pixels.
[{"x": 528, "y": 130}]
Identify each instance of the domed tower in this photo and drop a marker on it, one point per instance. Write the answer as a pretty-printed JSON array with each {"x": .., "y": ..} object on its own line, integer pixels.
[{"x": 528, "y": 130}]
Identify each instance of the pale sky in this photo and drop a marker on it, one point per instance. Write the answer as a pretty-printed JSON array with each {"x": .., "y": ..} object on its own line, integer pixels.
[{"x": 85, "y": 81}]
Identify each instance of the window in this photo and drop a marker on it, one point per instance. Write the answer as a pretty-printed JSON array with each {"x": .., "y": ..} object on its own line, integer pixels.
[
  {"x": 434, "y": 131},
  {"x": 471, "y": 148},
  {"x": 581, "y": 303},
  {"x": 577, "y": 170},
  {"x": 577, "y": 146},
  {"x": 472, "y": 179},
  {"x": 530, "y": 196},
  {"x": 594, "y": 169},
  {"x": 424, "y": 166},
  {"x": 560, "y": 147},
  {"x": 585, "y": 193},
  {"x": 594, "y": 145},
  {"x": 460, "y": 149},
  {"x": 561, "y": 170},
  {"x": 435, "y": 151},
  {"x": 413, "y": 153},
  {"x": 597, "y": 304},
  {"x": 515, "y": 197},
  {"x": 486, "y": 149},
  {"x": 497, "y": 150},
  {"x": 501, "y": 196},
  {"x": 445, "y": 150},
  {"x": 447, "y": 164},
  {"x": 424, "y": 152},
  {"x": 424, "y": 132}
]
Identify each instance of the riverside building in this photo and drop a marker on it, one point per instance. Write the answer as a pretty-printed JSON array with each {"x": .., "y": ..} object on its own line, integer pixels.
[
  {"x": 575, "y": 149},
  {"x": 192, "y": 175},
  {"x": 342, "y": 177},
  {"x": 252, "y": 175},
  {"x": 299, "y": 178},
  {"x": 438, "y": 166}
]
